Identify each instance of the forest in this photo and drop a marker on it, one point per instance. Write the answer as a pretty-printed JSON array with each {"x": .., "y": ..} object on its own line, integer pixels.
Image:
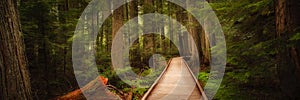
[{"x": 124, "y": 49}]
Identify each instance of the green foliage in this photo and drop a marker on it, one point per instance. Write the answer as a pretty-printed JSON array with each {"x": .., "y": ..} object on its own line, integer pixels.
[
  {"x": 203, "y": 76},
  {"x": 295, "y": 37},
  {"x": 47, "y": 28},
  {"x": 251, "y": 49},
  {"x": 295, "y": 40},
  {"x": 139, "y": 91}
]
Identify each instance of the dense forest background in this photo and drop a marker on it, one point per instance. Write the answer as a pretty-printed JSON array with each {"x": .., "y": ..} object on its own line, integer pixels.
[{"x": 262, "y": 38}]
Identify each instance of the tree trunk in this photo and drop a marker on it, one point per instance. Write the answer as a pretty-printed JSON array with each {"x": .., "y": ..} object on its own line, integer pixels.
[
  {"x": 117, "y": 19},
  {"x": 171, "y": 27},
  {"x": 194, "y": 29},
  {"x": 99, "y": 82},
  {"x": 132, "y": 11},
  {"x": 287, "y": 24},
  {"x": 14, "y": 77},
  {"x": 149, "y": 41}
]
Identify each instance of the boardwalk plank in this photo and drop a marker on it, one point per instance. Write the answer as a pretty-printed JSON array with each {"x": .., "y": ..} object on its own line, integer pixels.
[{"x": 176, "y": 83}]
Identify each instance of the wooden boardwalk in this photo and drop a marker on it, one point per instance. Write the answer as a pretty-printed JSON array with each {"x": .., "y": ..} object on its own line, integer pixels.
[{"x": 176, "y": 83}]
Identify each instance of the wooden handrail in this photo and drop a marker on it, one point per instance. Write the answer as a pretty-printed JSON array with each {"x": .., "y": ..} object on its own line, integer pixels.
[
  {"x": 156, "y": 81},
  {"x": 204, "y": 97}
]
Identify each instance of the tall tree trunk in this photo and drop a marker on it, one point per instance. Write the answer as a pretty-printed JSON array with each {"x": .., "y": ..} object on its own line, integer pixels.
[
  {"x": 107, "y": 29},
  {"x": 148, "y": 7},
  {"x": 287, "y": 24},
  {"x": 194, "y": 29},
  {"x": 14, "y": 77},
  {"x": 117, "y": 19},
  {"x": 180, "y": 17},
  {"x": 205, "y": 42},
  {"x": 163, "y": 45},
  {"x": 132, "y": 9},
  {"x": 170, "y": 26},
  {"x": 205, "y": 59}
]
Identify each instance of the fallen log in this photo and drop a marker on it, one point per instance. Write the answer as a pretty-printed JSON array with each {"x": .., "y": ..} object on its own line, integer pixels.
[{"x": 89, "y": 90}]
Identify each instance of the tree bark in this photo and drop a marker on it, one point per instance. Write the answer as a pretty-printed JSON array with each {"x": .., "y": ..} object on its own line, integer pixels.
[
  {"x": 117, "y": 19},
  {"x": 287, "y": 24},
  {"x": 14, "y": 77},
  {"x": 195, "y": 30}
]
